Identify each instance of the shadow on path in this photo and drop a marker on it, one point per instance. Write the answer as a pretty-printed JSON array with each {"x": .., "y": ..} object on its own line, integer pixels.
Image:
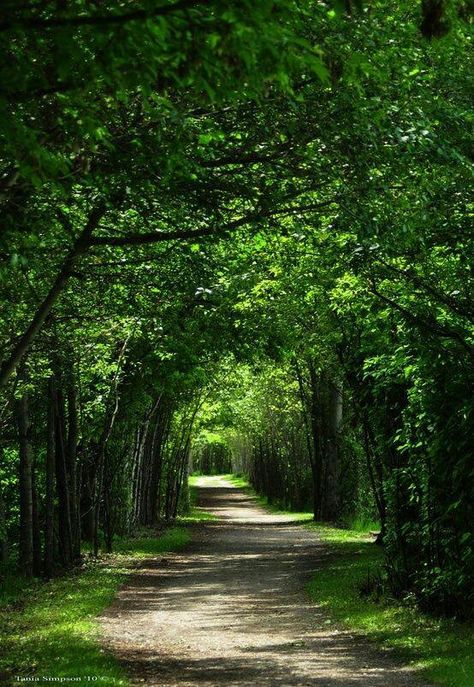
[{"x": 231, "y": 611}]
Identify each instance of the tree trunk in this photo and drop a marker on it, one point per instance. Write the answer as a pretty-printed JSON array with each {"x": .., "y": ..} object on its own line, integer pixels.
[
  {"x": 139, "y": 472},
  {"x": 107, "y": 515},
  {"x": 159, "y": 439},
  {"x": 184, "y": 462},
  {"x": 72, "y": 470},
  {"x": 316, "y": 439},
  {"x": 64, "y": 510},
  {"x": 49, "y": 495},
  {"x": 332, "y": 422},
  {"x": 26, "y": 489},
  {"x": 110, "y": 417},
  {"x": 3, "y": 532},
  {"x": 36, "y": 529}
]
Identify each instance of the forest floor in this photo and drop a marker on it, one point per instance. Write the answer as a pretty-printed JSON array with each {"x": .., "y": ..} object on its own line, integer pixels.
[{"x": 232, "y": 609}]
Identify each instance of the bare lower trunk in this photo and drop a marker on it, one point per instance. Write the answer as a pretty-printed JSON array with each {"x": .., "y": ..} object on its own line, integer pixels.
[
  {"x": 333, "y": 420},
  {"x": 72, "y": 470},
  {"x": 37, "y": 566},
  {"x": 3, "y": 532},
  {"x": 26, "y": 489},
  {"x": 64, "y": 506},
  {"x": 315, "y": 411},
  {"x": 49, "y": 495}
]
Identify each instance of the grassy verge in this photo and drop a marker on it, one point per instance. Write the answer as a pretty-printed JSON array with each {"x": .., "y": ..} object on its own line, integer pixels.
[
  {"x": 48, "y": 629},
  {"x": 196, "y": 514},
  {"x": 442, "y": 649}
]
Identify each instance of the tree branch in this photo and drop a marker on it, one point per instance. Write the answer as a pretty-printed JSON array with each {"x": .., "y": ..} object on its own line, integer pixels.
[
  {"x": 38, "y": 23},
  {"x": 86, "y": 240},
  {"x": 448, "y": 301},
  {"x": 434, "y": 327},
  {"x": 56, "y": 289},
  {"x": 156, "y": 237}
]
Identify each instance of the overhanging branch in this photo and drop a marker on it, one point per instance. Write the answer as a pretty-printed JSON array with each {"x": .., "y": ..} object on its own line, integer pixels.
[
  {"x": 432, "y": 326},
  {"x": 39, "y": 23},
  {"x": 158, "y": 237}
]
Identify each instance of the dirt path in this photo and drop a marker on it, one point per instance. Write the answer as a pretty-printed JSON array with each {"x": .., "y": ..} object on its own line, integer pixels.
[{"x": 232, "y": 610}]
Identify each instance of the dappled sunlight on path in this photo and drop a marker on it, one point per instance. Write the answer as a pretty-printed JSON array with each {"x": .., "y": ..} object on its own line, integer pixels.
[{"x": 232, "y": 610}]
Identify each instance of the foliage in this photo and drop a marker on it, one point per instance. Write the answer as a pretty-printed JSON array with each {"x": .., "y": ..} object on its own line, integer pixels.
[
  {"x": 245, "y": 228},
  {"x": 441, "y": 648}
]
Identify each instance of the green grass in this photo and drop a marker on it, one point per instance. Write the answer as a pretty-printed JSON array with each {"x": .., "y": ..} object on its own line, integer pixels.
[
  {"x": 443, "y": 650},
  {"x": 196, "y": 514},
  {"x": 364, "y": 525},
  {"x": 50, "y": 628}
]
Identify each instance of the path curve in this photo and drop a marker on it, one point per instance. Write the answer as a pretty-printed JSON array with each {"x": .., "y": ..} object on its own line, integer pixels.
[{"x": 232, "y": 611}]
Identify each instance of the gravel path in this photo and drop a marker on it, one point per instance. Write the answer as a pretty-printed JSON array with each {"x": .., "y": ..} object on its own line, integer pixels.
[{"x": 231, "y": 611}]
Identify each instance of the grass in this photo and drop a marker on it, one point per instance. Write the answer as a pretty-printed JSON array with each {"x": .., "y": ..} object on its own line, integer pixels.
[
  {"x": 362, "y": 525},
  {"x": 443, "y": 650},
  {"x": 195, "y": 514},
  {"x": 49, "y": 629}
]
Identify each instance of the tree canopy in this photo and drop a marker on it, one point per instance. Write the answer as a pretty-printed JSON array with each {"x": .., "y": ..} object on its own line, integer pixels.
[{"x": 238, "y": 235}]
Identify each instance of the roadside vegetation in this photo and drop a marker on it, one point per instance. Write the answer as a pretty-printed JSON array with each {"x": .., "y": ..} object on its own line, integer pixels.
[
  {"x": 194, "y": 512},
  {"x": 353, "y": 590},
  {"x": 50, "y": 628}
]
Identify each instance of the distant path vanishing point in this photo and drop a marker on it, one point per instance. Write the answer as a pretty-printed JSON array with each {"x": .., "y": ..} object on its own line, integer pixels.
[{"x": 232, "y": 610}]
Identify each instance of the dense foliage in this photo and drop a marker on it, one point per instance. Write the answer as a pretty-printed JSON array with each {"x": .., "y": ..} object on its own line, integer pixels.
[{"x": 241, "y": 234}]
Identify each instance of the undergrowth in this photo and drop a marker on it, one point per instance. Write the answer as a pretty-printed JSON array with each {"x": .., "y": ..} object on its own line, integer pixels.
[
  {"x": 194, "y": 513},
  {"x": 351, "y": 588},
  {"x": 49, "y": 629}
]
